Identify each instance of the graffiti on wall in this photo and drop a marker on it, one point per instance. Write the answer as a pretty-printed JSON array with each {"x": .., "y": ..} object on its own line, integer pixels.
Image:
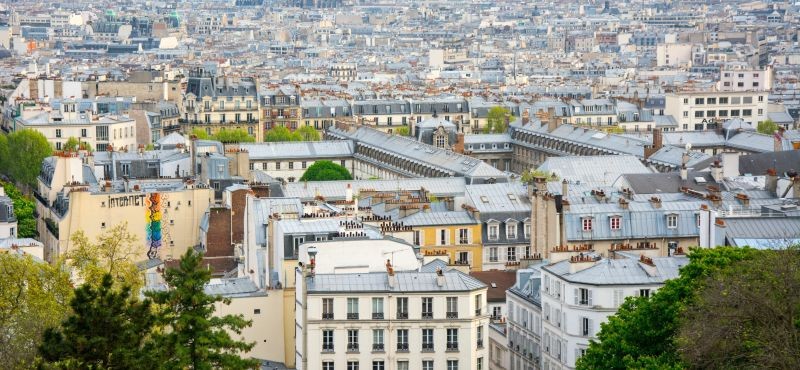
[{"x": 153, "y": 216}]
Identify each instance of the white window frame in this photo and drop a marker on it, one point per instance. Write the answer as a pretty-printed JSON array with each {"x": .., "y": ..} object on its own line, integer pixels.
[
  {"x": 615, "y": 220},
  {"x": 672, "y": 221}
]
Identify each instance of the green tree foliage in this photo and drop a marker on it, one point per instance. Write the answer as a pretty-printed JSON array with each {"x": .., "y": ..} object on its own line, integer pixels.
[
  {"x": 326, "y": 171},
  {"x": 767, "y": 127},
  {"x": 115, "y": 252},
  {"x": 5, "y": 159},
  {"x": 529, "y": 175},
  {"x": 644, "y": 331},
  {"x": 496, "y": 120},
  {"x": 747, "y": 316},
  {"x": 308, "y": 133},
  {"x": 26, "y": 151},
  {"x": 73, "y": 144},
  {"x": 234, "y": 136},
  {"x": 108, "y": 329},
  {"x": 402, "y": 131},
  {"x": 200, "y": 134},
  {"x": 195, "y": 338},
  {"x": 24, "y": 208},
  {"x": 281, "y": 133},
  {"x": 33, "y": 297}
]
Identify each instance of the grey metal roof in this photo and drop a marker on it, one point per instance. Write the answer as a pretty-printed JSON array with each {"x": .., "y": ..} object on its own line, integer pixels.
[
  {"x": 757, "y": 164},
  {"x": 623, "y": 271},
  {"x": 499, "y": 198},
  {"x": 601, "y": 170},
  {"x": 668, "y": 182},
  {"x": 439, "y": 218},
  {"x": 407, "y": 282},
  {"x": 763, "y": 228},
  {"x": 335, "y": 190},
  {"x": 311, "y": 150},
  {"x": 231, "y": 287}
]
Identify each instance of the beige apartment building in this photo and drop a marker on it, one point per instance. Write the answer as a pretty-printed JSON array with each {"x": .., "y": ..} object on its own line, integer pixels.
[
  {"x": 216, "y": 103},
  {"x": 698, "y": 111}
]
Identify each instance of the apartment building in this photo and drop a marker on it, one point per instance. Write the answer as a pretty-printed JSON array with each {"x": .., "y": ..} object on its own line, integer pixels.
[
  {"x": 280, "y": 106},
  {"x": 524, "y": 323},
  {"x": 580, "y": 293},
  {"x": 745, "y": 79},
  {"x": 70, "y": 119},
  {"x": 453, "y": 109},
  {"x": 383, "y": 114},
  {"x": 699, "y": 111},
  {"x": 593, "y": 112},
  {"x": 454, "y": 235},
  {"x": 288, "y": 161},
  {"x": 324, "y": 113},
  {"x": 395, "y": 320},
  {"x": 214, "y": 103}
]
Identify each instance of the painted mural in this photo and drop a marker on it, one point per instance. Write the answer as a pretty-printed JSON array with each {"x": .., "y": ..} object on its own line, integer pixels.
[{"x": 153, "y": 228}]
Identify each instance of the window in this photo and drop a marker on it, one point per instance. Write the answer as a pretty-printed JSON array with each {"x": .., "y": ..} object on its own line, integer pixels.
[
  {"x": 497, "y": 312},
  {"x": 586, "y": 326},
  {"x": 58, "y": 132},
  {"x": 735, "y": 100},
  {"x": 723, "y": 112},
  {"x": 377, "y": 365},
  {"x": 614, "y": 222},
  {"x": 699, "y": 101},
  {"x": 463, "y": 236},
  {"x": 402, "y": 365},
  {"x": 327, "y": 340},
  {"x": 644, "y": 293},
  {"x": 711, "y": 113},
  {"x": 443, "y": 237},
  {"x": 452, "y": 364},
  {"x": 760, "y": 97},
  {"x": 377, "y": 340},
  {"x": 402, "y": 307},
  {"x": 586, "y": 224},
  {"x": 417, "y": 237},
  {"x": 377, "y": 308},
  {"x": 83, "y": 132},
  {"x": 619, "y": 297},
  {"x": 342, "y": 163},
  {"x": 527, "y": 230},
  {"x": 723, "y": 100},
  {"x": 685, "y": 100},
  {"x": 493, "y": 231},
  {"x": 747, "y": 100},
  {"x": 327, "y": 365},
  {"x": 277, "y": 165},
  {"x": 760, "y": 112},
  {"x": 452, "y": 339},
  {"x": 511, "y": 230},
  {"x": 291, "y": 165},
  {"x": 427, "y": 307},
  {"x": 352, "y": 365},
  {"x": 427, "y": 365},
  {"x": 734, "y": 112},
  {"x": 427, "y": 339},
  {"x": 479, "y": 336},
  {"x": 747, "y": 112},
  {"x": 402, "y": 340},
  {"x": 352, "y": 308},
  {"x": 479, "y": 364},
  {"x": 493, "y": 254},
  {"x": 478, "y": 304},
  {"x": 352, "y": 340},
  {"x": 303, "y": 164},
  {"x": 511, "y": 254},
  {"x": 452, "y": 307},
  {"x": 698, "y": 114},
  {"x": 58, "y": 146},
  {"x": 583, "y": 297},
  {"x": 672, "y": 221},
  {"x": 102, "y": 133},
  {"x": 711, "y": 100}
]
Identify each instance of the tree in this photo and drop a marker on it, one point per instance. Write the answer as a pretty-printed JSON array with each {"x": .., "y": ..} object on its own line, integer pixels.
[
  {"x": 746, "y": 316},
  {"x": 27, "y": 150},
  {"x": 33, "y": 297},
  {"x": 195, "y": 338},
  {"x": 73, "y": 145},
  {"x": 529, "y": 175},
  {"x": 402, "y": 131},
  {"x": 113, "y": 253},
  {"x": 767, "y": 127},
  {"x": 643, "y": 333},
  {"x": 24, "y": 209},
  {"x": 326, "y": 171},
  {"x": 496, "y": 120},
  {"x": 5, "y": 159},
  {"x": 200, "y": 134},
  {"x": 108, "y": 329},
  {"x": 234, "y": 136},
  {"x": 281, "y": 133},
  {"x": 308, "y": 133}
]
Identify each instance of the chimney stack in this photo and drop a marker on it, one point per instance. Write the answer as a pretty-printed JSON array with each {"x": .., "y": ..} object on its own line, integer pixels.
[
  {"x": 771, "y": 183},
  {"x": 439, "y": 277},
  {"x": 390, "y": 274}
]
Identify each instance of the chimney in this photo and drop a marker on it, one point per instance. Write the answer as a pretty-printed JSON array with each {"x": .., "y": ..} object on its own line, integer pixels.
[
  {"x": 552, "y": 120},
  {"x": 390, "y": 274},
  {"x": 439, "y": 277},
  {"x": 193, "y": 153},
  {"x": 730, "y": 164},
  {"x": 656, "y": 202},
  {"x": 348, "y": 194},
  {"x": 526, "y": 116},
  {"x": 778, "y": 139},
  {"x": 623, "y": 203},
  {"x": 716, "y": 171},
  {"x": 771, "y": 183},
  {"x": 658, "y": 143},
  {"x": 564, "y": 189}
]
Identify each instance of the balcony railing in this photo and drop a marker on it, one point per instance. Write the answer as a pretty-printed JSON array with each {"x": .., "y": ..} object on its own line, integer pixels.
[
  {"x": 427, "y": 315},
  {"x": 327, "y": 315},
  {"x": 402, "y": 315},
  {"x": 327, "y": 348},
  {"x": 402, "y": 347},
  {"x": 480, "y": 343},
  {"x": 377, "y": 347},
  {"x": 352, "y": 315},
  {"x": 377, "y": 315},
  {"x": 427, "y": 347},
  {"x": 352, "y": 347},
  {"x": 452, "y": 315},
  {"x": 452, "y": 347}
]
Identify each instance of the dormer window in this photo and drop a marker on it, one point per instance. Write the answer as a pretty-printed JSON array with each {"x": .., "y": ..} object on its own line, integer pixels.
[
  {"x": 586, "y": 224},
  {"x": 511, "y": 230},
  {"x": 672, "y": 221},
  {"x": 615, "y": 222}
]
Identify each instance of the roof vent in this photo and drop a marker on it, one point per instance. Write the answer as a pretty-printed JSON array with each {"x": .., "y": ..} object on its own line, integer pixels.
[{"x": 700, "y": 180}]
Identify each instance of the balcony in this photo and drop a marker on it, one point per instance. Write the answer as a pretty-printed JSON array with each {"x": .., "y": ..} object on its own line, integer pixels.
[
  {"x": 377, "y": 315},
  {"x": 402, "y": 315},
  {"x": 352, "y": 347},
  {"x": 327, "y": 316},
  {"x": 452, "y": 315},
  {"x": 427, "y": 315},
  {"x": 402, "y": 347},
  {"x": 377, "y": 347},
  {"x": 452, "y": 347},
  {"x": 478, "y": 311},
  {"x": 427, "y": 347},
  {"x": 352, "y": 315}
]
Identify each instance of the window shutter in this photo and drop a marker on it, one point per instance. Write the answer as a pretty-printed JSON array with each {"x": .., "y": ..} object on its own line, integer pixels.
[
  {"x": 469, "y": 236},
  {"x": 591, "y": 328},
  {"x": 577, "y": 296},
  {"x": 590, "y": 297}
]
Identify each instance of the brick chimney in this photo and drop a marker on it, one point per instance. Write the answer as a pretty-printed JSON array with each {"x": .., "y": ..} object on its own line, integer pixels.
[{"x": 658, "y": 143}]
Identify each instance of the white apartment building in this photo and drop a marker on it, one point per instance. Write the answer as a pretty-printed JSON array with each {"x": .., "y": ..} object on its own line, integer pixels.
[
  {"x": 580, "y": 293},
  {"x": 745, "y": 80},
  {"x": 697, "y": 111},
  {"x": 390, "y": 321},
  {"x": 98, "y": 131},
  {"x": 524, "y": 325}
]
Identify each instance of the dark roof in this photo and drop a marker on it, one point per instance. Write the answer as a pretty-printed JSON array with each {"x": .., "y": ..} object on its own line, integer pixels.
[
  {"x": 497, "y": 281},
  {"x": 668, "y": 182},
  {"x": 757, "y": 164},
  {"x": 218, "y": 265}
]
